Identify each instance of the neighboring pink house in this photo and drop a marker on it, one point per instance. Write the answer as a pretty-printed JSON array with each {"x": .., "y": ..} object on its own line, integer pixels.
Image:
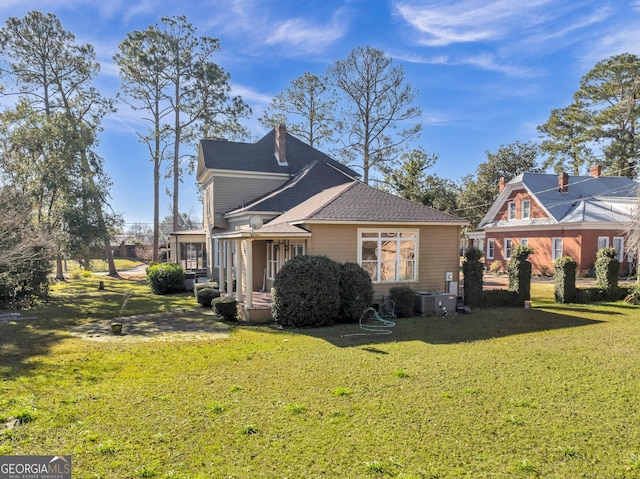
[{"x": 560, "y": 216}]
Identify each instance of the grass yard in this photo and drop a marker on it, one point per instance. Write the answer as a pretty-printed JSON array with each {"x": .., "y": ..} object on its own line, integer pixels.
[{"x": 550, "y": 392}]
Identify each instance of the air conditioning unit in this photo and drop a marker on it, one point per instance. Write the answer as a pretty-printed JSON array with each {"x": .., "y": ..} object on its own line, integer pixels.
[{"x": 425, "y": 302}]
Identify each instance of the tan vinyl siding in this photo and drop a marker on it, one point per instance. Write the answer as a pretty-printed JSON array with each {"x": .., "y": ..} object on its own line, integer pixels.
[
  {"x": 231, "y": 193},
  {"x": 438, "y": 251}
]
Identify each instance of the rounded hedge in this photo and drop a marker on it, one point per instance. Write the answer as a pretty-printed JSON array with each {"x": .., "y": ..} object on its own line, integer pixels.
[
  {"x": 165, "y": 278},
  {"x": 306, "y": 292},
  {"x": 404, "y": 300},
  {"x": 226, "y": 307},
  {"x": 356, "y": 291},
  {"x": 204, "y": 296}
]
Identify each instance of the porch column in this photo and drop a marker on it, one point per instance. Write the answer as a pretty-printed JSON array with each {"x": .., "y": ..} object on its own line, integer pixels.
[
  {"x": 220, "y": 265},
  {"x": 249, "y": 275},
  {"x": 229, "y": 268},
  {"x": 239, "y": 270}
]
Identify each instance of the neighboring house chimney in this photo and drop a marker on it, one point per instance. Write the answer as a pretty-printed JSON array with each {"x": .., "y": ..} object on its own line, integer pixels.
[
  {"x": 595, "y": 171},
  {"x": 281, "y": 146},
  {"x": 563, "y": 182},
  {"x": 501, "y": 184}
]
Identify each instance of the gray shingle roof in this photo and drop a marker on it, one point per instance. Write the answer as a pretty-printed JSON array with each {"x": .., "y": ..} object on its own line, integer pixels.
[{"x": 260, "y": 156}]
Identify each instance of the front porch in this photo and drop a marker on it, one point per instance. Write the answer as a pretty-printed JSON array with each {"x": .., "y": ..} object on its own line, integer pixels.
[{"x": 260, "y": 310}]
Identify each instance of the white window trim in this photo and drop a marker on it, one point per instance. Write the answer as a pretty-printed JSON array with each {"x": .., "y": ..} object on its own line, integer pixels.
[
  {"x": 491, "y": 248},
  {"x": 603, "y": 239},
  {"x": 507, "y": 253},
  {"x": 553, "y": 248},
  {"x": 511, "y": 205},
  {"x": 399, "y": 230},
  {"x": 524, "y": 241},
  {"x": 527, "y": 209},
  {"x": 621, "y": 251}
]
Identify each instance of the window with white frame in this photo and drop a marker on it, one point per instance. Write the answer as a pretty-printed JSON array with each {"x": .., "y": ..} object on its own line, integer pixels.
[
  {"x": 603, "y": 242},
  {"x": 273, "y": 259},
  {"x": 524, "y": 241},
  {"x": 508, "y": 248},
  {"x": 511, "y": 208},
  {"x": 556, "y": 248},
  {"x": 491, "y": 248},
  {"x": 526, "y": 209},
  {"x": 389, "y": 256},
  {"x": 618, "y": 245}
]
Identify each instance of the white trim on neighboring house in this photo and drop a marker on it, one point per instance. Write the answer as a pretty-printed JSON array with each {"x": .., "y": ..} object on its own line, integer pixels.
[
  {"x": 491, "y": 248},
  {"x": 527, "y": 209},
  {"x": 603, "y": 242},
  {"x": 524, "y": 241},
  {"x": 512, "y": 210},
  {"x": 619, "y": 247},
  {"x": 508, "y": 248},
  {"x": 554, "y": 250},
  {"x": 375, "y": 265}
]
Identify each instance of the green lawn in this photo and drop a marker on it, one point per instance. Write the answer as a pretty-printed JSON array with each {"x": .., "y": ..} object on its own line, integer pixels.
[{"x": 550, "y": 392}]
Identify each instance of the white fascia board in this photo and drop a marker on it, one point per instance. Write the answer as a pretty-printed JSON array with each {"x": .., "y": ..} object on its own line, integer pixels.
[
  {"x": 381, "y": 223},
  {"x": 555, "y": 227}
]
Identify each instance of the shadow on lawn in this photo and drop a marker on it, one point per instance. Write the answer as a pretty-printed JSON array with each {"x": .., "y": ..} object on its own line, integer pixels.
[{"x": 487, "y": 324}]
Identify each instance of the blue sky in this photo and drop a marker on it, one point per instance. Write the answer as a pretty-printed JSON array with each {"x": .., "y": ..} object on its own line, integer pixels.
[{"x": 488, "y": 72}]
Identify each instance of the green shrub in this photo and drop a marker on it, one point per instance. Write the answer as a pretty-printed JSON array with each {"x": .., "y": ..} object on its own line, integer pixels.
[
  {"x": 226, "y": 307},
  {"x": 356, "y": 291},
  {"x": 565, "y": 279},
  {"x": 519, "y": 270},
  {"x": 588, "y": 295},
  {"x": 306, "y": 292},
  {"x": 472, "y": 270},
  {"x": 607, "y": 272},
  {"x": 404, "y": 299},
  {"x": 208, "y": 284},
  {"x": 204, "y": 296},
  {"x": 495, "y": 266},
  {"x": 500, "y": 298},
  {"x": 164, "y": 278}
]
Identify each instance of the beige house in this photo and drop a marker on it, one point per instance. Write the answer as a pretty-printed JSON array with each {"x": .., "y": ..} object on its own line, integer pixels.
[{"x": 266, "y": 202}]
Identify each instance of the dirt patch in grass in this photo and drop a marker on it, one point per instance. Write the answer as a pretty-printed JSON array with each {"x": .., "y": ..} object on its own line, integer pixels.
[{"x": 172, "y": 326}]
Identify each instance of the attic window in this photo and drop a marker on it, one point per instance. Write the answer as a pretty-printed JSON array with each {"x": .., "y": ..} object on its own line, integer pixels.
[{"x": 511, "y": 210}]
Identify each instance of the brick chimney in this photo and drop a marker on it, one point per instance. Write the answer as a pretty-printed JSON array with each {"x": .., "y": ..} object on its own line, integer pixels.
[
  {"x": 281, "y": 147},
  {"x": 501, "y": 184},
  {"x": 563, "y": 182},
  {"x": 595, "y": 171}
]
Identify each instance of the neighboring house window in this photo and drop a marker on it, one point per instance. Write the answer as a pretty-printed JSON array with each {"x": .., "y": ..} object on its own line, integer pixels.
[
  {"x": 556, "y": 251},
  {"x": 193, "y": 256},
  {"x": 618, "y": 245},
  {"x": 526, "y": 209},
  {"x": 524, "y": 241},
  {"x": 508, "y": 248},
  {"x": 295, "y": 249},
  {"x": 389, "y": 256},
  {"x": 603, "y": 242},
  {"x": 491, "y": 247},
  {"x": 273, "y": 259},
  {"x": 512, "y": 210}
]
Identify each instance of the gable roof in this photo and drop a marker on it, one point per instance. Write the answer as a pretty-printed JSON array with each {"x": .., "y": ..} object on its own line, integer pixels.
[
  {"x": 356, "y": 202},
  {"x": 260, "y": 156},
  {"x": 311, "y": 180},
  {"x": 587, "y": 199}
]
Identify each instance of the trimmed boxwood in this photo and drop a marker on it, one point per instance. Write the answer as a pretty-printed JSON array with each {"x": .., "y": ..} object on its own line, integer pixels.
[
  {"x": 306, "y": 292},
  {"x": 226, "y": 307},
  {"x": 164, "y": 278},
  {"x": 607, "y": 272},
  {"x": 519, "y": 270},
  {"x": 205, "y": 296},
  {"x": 473, "y": 270},
  {"x": 565, "y": 279},
  {"x": 404, "y": 299},
  {"x": 500, "y": 298},
  {"x": 356, "y": 291}
]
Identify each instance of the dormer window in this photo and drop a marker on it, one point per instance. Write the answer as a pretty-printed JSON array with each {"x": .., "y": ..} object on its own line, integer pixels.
[
  {"x": 526, "y": 209},
  {"x": 511, "y": 210}
]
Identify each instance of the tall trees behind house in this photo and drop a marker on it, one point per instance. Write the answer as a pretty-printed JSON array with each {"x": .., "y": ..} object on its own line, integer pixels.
[
  {"x": 308, "y": 107},
  {"x": 604, "y": 115},
  {"x": 377, "y": 99},
  {"x": 49, "y": 137},
  {"x": 167, "y": 70}
]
